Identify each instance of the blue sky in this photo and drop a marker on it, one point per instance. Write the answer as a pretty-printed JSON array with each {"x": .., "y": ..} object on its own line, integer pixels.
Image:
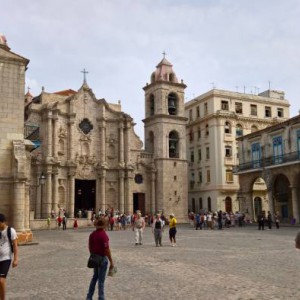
[{"x": 223, "y": 43}]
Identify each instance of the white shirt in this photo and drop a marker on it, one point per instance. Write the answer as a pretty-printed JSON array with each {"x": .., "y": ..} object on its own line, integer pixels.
[{"x": 5, "y": 250}]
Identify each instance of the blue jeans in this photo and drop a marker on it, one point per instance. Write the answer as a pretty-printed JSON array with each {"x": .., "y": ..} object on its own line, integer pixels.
[{"x": 99, "y": 275}]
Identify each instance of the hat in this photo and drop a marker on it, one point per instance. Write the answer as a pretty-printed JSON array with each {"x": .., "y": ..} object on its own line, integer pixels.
[
  {"x": 100, "y": 223},
  {"x": 171, "y": 215}
]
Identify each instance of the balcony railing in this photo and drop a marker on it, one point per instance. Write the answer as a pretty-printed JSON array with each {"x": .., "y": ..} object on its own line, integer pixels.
[{"x": 268, "y": 161}]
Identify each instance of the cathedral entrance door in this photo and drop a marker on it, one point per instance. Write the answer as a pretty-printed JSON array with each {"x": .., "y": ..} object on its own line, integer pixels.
[
  {"x": 85, "y": 195},
  {"x": 139, "y": 202}
]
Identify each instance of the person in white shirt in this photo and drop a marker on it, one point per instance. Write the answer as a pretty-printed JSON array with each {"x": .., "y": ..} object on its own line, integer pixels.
[{"x": 8, "y": 253}]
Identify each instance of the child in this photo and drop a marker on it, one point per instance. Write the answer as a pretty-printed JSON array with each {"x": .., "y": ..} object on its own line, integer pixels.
[{"x": 75, "y": 224}]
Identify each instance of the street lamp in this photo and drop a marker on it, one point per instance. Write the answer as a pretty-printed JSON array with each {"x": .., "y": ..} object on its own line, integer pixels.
[{"x": 42, "y": 181}]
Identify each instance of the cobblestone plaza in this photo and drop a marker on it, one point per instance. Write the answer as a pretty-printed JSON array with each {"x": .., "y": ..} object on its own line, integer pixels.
[{"x": 235, "y": 263}]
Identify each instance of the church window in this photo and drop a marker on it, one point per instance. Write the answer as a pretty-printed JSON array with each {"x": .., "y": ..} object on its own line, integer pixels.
[
  {"x": 173, "y": 145},
  {"x": 152, "y": 105},
  {"x": 138, "y": 178},
  {"x": 86, "y": 126},
  {"x": 172, "y": 104},
  {"x": 229, "y": 176}
]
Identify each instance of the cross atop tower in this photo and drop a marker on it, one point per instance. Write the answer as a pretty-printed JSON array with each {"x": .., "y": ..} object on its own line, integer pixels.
[
  {"x": 28, "y": 89},
  {"x": 164, "y": 54},
  {"x": 84, "y": 75}
]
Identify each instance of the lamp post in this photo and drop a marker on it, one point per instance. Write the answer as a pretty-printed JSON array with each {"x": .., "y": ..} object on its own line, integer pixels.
[{"x": 42, "y": 181}]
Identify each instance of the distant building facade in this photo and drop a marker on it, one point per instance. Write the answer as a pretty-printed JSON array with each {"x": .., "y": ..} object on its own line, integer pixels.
[
  {"x": 271, "y": 156},
  {"x": 215, "y": 120}
]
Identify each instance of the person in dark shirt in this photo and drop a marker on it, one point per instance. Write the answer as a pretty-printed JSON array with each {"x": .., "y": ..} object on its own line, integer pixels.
[{"x": 99, "y": 244}]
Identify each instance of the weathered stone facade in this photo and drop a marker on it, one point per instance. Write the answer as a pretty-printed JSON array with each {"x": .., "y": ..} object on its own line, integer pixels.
[
  {"x": 271, "y": 156},
  {"x": 14, "y": 162}
]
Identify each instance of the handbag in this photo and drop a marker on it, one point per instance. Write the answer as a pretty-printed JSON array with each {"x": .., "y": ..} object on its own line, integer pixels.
[{"x": 94, "y": 261}]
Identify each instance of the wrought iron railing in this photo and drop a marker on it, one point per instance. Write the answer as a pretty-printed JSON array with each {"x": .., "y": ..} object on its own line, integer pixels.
[{"x": 268, "y": 161}]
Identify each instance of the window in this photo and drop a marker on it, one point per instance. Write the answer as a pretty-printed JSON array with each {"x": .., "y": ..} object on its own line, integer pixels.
[
  {"x": 253, "y": 110},
  {"x": 198, "y": 112},
  {"x": 207, "y": 153},
  {"x": 152, "y": 105},
  {"x": 192, "y": 156},
  {"x": 228, "y": 151},
  {"x": 224, "y": 105},
  {"x": 173, "y": 144},
  {"x": 206, "y": 130},
  {"x": 191, "y": 115},
  {"x": 255, "y": 148},
  {"x": 172, "y": 104},
  {"x": 239, "y": 130},
  {"x": 209, "y": 204},
  {"x": 229, "y": 176},
  {"x": 200, "y": 177},
  {"x": 208, "y": 176},
  {"x": 205, "y": 108},
  {"x": 199, "y": 155},
  {"x": 277, "y": 149},
  {"x": 254, "y": 128},
  {"x": 227, "y": 127},
  {"x": 191, "y": 135},
  {"x": 199, "y": 133},
  {"x": 138, "y": 178},
  {"x": 280, "y": 112},
  {"x": 238, "y": 107},
  {"x": 200, "y": 203},
  {"x": 268, "y": 113}
]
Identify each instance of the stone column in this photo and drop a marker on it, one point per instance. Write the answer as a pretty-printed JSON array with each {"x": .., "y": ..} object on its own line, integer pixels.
[
  {"x": 102, "y": 175},
  {"x": 126, "y": 142},
  {"x": 71, "y": 138},
  {"x": 46, "y": 210},
  {"x": 27, "y": 207},
  {"x": 271, "y": 201},
  {"x": 54, "y": 136},
  {"x": 49, "y": 134},
  {"x": 295, "y": 203},
  {"x": 153, "y": 204},
  {"x": 102, "y": 143},
  {"x": 38, "y": 203},
  {"x": 121, "y": 144},
  {"x": 55, "y": 191},
  {"x": 18, "y": 211},
  {"x": 121, "y": 192},
  {"x": 70, "y": 208},
  {"x": 98, "y": 195},
  {"x": 128, "y": 190}
]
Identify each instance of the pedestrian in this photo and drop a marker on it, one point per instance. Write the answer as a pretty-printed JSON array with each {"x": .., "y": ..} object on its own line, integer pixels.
[
  {"x": 111, "y": 222},
  {"x": 75, "y": 224},
  {"x": 220, "y": 220},
  {"x": 48, "y": 222},
  {"x": 261, "y": 221},
  {"x": 99, "y": 245},
  {"x": 138, "y": 227},
  {"x": 197, "y": 221},
  {"x": 64, "y": 222},
  {"x": 157, "y": 230},
  {"x": 269, "y": 220},
  {"x": 172, "y": 230},
  {"x": 8, "y": 252},
  {"x": 297, "y": 241},
  {"x": 276, "y": 217}
]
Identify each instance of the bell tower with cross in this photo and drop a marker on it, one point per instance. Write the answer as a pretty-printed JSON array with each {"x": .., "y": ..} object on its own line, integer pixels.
[{"x": 165, "y": 137}]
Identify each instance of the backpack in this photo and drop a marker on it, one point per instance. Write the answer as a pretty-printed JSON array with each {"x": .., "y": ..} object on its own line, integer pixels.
[{"x": 9, "y": 238}]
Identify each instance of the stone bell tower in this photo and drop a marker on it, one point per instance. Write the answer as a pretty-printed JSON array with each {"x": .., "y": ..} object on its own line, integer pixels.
[
  {"x": 14, "y": 162},
  {"x": 165, "y": 137}
]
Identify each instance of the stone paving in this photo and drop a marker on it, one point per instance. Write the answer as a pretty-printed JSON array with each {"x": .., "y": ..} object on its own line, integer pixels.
[{"x": 235, "y": 263}]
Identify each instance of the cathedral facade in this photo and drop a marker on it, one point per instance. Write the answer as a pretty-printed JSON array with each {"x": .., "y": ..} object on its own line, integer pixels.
[{"x": 88, "y": 157}]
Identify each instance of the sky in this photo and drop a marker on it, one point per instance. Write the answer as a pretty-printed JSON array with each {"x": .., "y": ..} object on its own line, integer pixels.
[{"x": 226, "y": 44}]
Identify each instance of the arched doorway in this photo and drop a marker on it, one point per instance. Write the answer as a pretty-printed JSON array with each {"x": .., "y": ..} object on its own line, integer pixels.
[
  {"x": 228, "y": 204},
  {"x": 257, "y": 206},
  {"x": 282, "y": 197}
]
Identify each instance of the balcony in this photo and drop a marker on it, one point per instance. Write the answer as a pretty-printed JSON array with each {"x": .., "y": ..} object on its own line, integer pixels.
[{"x": 268, "y": 162}]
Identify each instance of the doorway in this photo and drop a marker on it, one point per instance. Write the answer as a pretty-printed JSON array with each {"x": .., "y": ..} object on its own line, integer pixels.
[
  {"x": 85, "y": 195},
  {"x": 228, "y": 204},
  {"x": 139, "y": 202}
]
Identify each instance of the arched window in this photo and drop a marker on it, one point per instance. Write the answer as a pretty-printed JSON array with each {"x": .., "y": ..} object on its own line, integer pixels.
[
  {"x": 172, "y": 104},
  {"x": 152, "y": 105},
  {"x": 239, "y": 130},
  {"x": 209, "y": 204},
  {"x": 173, "y": 145},
  {"x": 227, "y": 127},
  {"x": 171, "y": 77},
  {"x": 200, "y": 203},
  {"x": 193, "y": 205}
]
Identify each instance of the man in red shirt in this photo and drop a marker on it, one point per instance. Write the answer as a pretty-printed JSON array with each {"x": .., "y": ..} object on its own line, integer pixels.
[{"x": 99, "y": 244}]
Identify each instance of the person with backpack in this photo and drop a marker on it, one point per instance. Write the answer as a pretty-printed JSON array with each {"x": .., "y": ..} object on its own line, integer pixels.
[
  {"x": 8, "y": 252},
  {"x": 157, "y": 230}
]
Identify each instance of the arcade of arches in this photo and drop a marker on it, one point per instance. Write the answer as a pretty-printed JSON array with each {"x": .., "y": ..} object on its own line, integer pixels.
[{"x": 274, "y": 190}]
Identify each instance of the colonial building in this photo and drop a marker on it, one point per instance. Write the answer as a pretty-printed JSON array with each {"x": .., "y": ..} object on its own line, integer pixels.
[
  {"x": 88, "y": 156},
  {"x": 215, "y": 120},
  {"x": 14, "y": 150},
  {"x": 271, "y": 157}
]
